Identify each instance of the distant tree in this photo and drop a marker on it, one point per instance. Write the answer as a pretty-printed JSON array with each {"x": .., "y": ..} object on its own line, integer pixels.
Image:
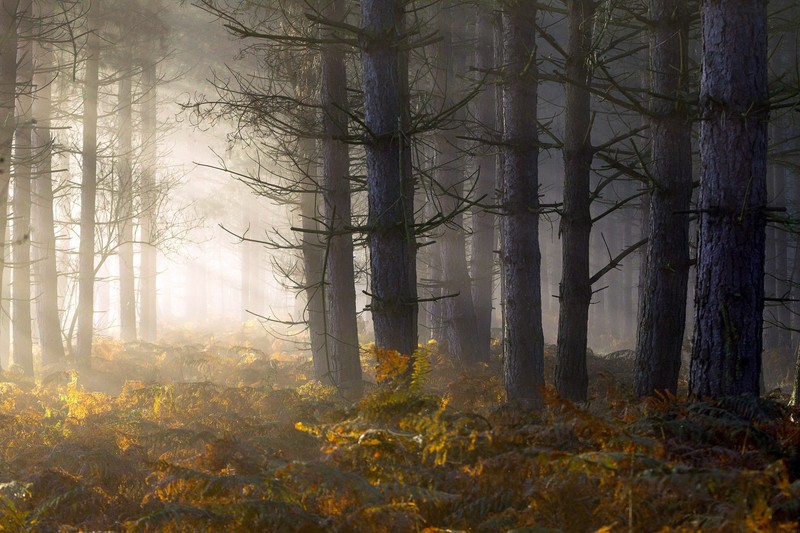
[
  {"x": 127, "y": 281},
  {"x": 519, "y": 221},
  {"x": 729, "y": 297},
  {"x": 8, "y": 93},
  {"x": 44, "y": 237},
  {"x": 457, "y": 310},
  {"x": 483, "y": 220},
  {"x": 148, "y": 314},
  {"x": 21, "y": 226},
  {"x": 85, "y": 310}
]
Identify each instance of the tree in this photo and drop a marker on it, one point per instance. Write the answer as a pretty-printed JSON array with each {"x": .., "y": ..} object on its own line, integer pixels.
[
  {"x": 391, "y": 239},
  {"x": 483, "y": 220},
  {"x": 458, "y": 313},
  {"x": 575, "y": 289},
  {"x": 88, "y": 198},
  {"x": 729, "y": 297},
  {"x": 21, "y": 229},
  {"x": 149, "y": 253},
  {"x": 127, "y": 282},
  {"x": 342, "y": 332},
  {"x": 662, "y": 310},
  {"x": 44, "y": 238},
  {"x": 519, "y": 221},
  {"x": 8, "y": 92}
]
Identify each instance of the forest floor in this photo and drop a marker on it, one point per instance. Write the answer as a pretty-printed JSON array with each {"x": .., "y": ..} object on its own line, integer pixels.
[{"x": 216, "y": 436}]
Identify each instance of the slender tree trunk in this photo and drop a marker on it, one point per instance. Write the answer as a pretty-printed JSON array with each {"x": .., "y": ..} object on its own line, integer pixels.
[
  {"x": 392, "y": 242},
  {"x": 148, "y": 314},
  {"x": 343, "y": 349},
  {"x": 88, "y": 194},
  {"x": 127, "y": 281},
  {"x": 483, "y": 221},
  {"x": 21, "y": 229},
  {"x": 662, "y": 308},
  {"x": 729, "y": 298},
  {"x": 519, "y": 224},
  {"x": 458, "y": 312},
  {"x": 8, "y": 71},
  {"x": 313, "y": 250},
  {"x": 44, "y": 260},
  {"x": 575, "y": 290}
]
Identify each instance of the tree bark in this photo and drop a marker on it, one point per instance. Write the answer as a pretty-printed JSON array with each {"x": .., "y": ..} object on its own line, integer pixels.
[
  {"x": 44, "y": 259},
  {"x": 21, "y": 229},
  {"x": 729, "y": 298},
  {"x": 148, "y": 313},
  {"x": 343, "y": 348},
  {"x": 519, "y": 223},
  {"x": 575, "y": 290},
  {"x": 662, "y": 309},
  {"x": 391, "y": 240},
  {"x": 127, "y": 281}
]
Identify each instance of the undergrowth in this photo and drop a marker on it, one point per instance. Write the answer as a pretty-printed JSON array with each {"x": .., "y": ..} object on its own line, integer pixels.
[{"x": 224, "y": 438}]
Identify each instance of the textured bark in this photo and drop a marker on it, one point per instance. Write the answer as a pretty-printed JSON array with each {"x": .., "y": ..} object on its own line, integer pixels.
[
  {"x": 458, "y": 313},
  {"x": 662, "y": 309},
  {"x": 44, "y": 251},
  {"x": 148, "y": 312},
  {"x": 729, "y": 298},
  {"x": 391, "y": 241},
  {"x": 127, "y": 282},
  {"x": 575, "y": 290},
  {"x": 21, "y": 229},
  {"x": 519, "y": 224},
  {"x": 8, "y": 71},
  {"x": 483, "y": 221}
]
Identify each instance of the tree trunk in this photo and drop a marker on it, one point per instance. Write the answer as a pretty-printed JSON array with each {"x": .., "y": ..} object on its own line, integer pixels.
[
  {"x": 391, "y": 241},
  {"x": 148, "y": 313},
  {"x": 729, "y": 298},
  {"x": 519, "y": 223},
  {"x": 313, "y": 251},
  {"x": 575, "y": 290},
  {"x": 21, "y": 229},
  {"x": 662, "y": 309},
  {"x": 127, "y": 281},
  {"x": 88, "y": 193},
  {"x": 343, "y": 349},
  {"x": 8, "y": 71},
  {"x": 44, "y": 260},
  {"x": 458, "y": 312},
  {"x": 483, "y": 221}
]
